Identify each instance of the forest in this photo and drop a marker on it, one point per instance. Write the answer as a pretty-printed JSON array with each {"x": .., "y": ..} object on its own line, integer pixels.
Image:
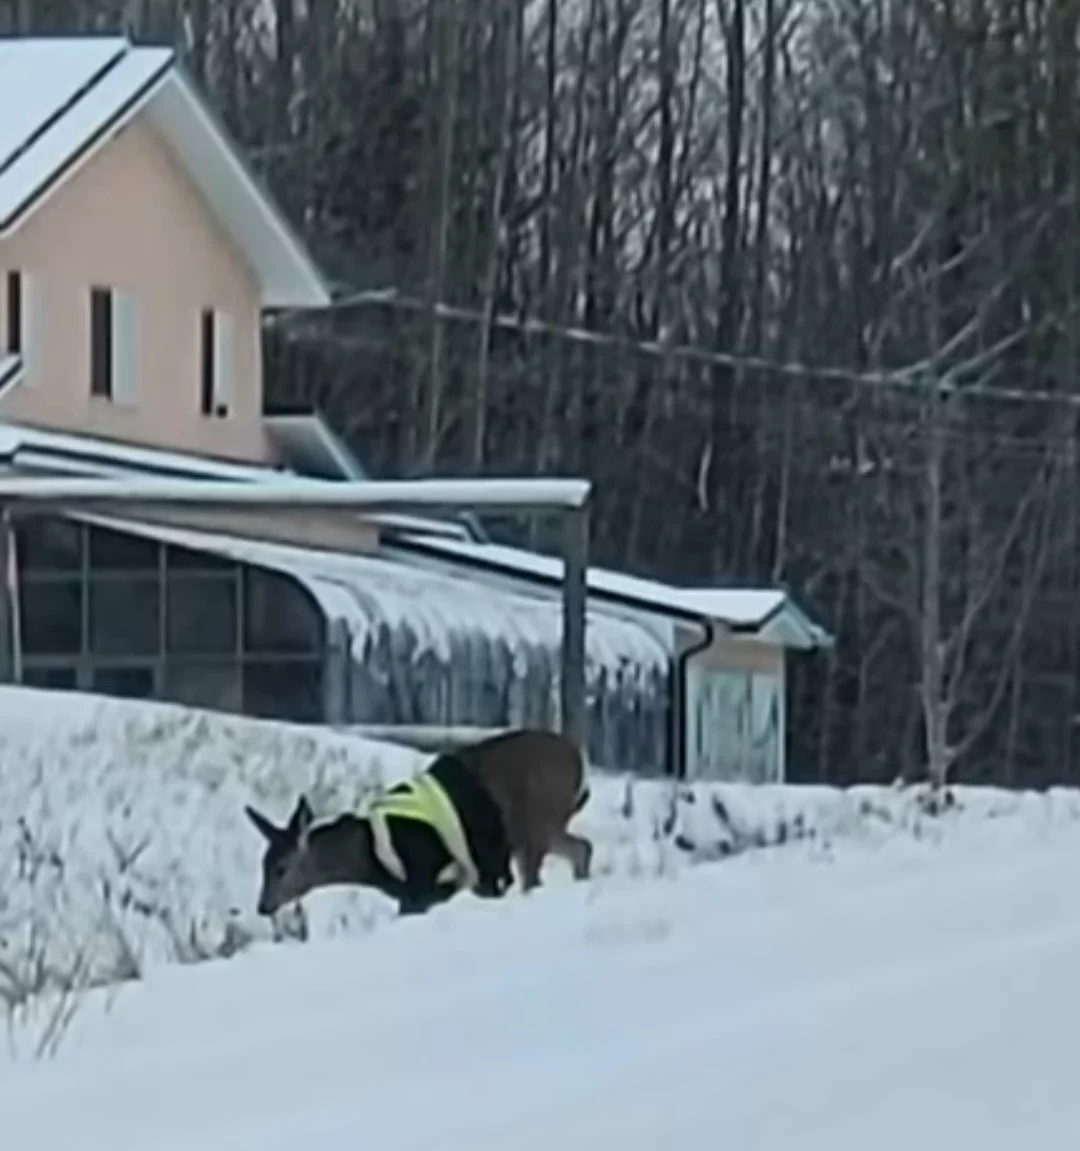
[{"x": 795, "y": 284}]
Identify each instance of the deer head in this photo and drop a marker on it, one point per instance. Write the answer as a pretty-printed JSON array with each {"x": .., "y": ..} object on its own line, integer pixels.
[{"x": 289, "y": 869}]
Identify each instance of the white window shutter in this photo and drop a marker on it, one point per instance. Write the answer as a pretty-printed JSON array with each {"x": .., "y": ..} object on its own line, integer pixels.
[
  {"x": 31, "y": 326},
  {"x": 126, "y": 348},
  {"x": 224, "y": 362}
]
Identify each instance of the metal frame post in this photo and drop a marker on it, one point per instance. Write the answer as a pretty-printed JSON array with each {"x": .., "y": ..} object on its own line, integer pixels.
[
  {"x": 574, "y": 716},
  {"x": 9, "y": 640}
]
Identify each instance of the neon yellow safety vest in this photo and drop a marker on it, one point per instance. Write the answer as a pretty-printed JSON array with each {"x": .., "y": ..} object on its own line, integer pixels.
[{"x": 425, "y": 800}]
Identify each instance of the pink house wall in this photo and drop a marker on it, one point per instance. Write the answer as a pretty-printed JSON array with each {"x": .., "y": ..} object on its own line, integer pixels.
[{"x": 131, "y": 220}]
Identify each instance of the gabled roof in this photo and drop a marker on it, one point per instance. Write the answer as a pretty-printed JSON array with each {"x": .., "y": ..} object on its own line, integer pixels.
[
  {"x": 63, "y": 98},
  {"x": 766, "y": 614}
]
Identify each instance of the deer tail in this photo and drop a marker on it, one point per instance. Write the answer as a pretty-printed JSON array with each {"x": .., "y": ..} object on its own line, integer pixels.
[{"x": 583, "y": 794}]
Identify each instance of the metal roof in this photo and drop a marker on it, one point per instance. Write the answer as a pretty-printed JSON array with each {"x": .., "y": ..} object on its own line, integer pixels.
[{"x": 766, "y": 614}]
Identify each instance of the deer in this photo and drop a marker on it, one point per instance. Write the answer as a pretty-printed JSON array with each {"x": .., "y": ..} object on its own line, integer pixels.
[{"x": 455, "y": 826}]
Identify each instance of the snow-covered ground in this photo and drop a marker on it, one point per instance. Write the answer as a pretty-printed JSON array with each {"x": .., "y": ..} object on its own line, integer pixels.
[
  {"x": 893, "y": 999},
  {"x": 855, "y": 974},
  {"x": 123, "y": 841}
]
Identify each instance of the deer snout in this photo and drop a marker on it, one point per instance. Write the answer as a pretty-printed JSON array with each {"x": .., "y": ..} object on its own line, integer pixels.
[{"x": 264, "y": 906}]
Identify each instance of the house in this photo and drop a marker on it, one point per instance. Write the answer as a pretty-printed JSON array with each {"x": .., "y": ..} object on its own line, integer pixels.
[
  {"x": 139, "y": 253},
  {"x": 138, "y": 257}
]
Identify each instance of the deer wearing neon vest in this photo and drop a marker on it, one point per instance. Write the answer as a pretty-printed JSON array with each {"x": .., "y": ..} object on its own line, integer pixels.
[{"x": 454, "y": 827}]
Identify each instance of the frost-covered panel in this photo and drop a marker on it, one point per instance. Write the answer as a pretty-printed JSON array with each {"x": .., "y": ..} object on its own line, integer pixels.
[
  {"x": 734, "y": 725},
  {"x": 433, "y": 649}
]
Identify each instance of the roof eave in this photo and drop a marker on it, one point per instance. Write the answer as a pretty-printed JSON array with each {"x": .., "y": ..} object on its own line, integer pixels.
[
  {"x": 791, "y": 628},
  {"x": 99, "y": 133},
  {"x": 315, "y": 423},
  {"x": 302, "y": 286}
]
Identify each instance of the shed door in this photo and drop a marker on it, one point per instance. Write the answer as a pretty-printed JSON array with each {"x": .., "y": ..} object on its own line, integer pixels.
[{"x": 734, "y": 725}]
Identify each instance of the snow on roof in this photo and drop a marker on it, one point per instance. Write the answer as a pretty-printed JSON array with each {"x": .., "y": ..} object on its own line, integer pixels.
[
  {"x": 362, "y": 589},
  {"x": 65, "y": 97},
  {"x": 294, "y": 491},
  {"x": 769, "y": 612},
  {"x": 34, "y": 449},
  {"x": 91, "y": 456}
]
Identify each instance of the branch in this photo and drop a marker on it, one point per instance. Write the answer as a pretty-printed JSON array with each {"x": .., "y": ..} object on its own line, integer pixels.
[
  {"x": 957, "y": 645},
  {"x": 1008, "y": 661}
]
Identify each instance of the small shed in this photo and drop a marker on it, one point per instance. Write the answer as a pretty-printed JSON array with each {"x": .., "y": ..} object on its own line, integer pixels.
[{"x": 728, "y": 650}]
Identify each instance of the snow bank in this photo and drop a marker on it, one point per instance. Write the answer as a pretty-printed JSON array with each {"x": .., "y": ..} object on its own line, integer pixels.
[
  {"x": 123, "y": 841},
  {"x": 761, "y": 1004}
]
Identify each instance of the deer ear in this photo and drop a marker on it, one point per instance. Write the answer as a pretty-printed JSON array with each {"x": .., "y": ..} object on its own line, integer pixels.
[
  {"x": 303, "y": 817},
  {"x": 268, "y": 831}
]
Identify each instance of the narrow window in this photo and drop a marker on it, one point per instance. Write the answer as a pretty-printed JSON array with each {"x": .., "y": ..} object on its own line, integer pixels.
[
  {"x": 206, "y": 345},
  {"x": 215, "y": 363},
  {"x": 14, "y": 314},
  {"x": 101, "y": 342}
]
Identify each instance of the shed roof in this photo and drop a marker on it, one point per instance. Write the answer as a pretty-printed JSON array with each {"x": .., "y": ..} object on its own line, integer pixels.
[
  {"x": 767, "y": 614},
  {"x": 64, "y": 98}
]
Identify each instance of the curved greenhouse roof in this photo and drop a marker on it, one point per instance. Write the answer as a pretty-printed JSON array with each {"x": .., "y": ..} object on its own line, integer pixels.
[{"x": 435, "y": 648}]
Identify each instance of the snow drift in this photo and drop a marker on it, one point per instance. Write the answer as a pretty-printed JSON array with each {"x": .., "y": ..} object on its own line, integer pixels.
[
  {"x": 123, "y": 841},
  {"x": 906, "y": 996}
]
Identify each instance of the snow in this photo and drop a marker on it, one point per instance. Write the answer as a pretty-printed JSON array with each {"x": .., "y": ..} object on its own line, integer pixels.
[
  {"x": 123, "y": 837},
  {"x": 35, "y": 448},
  {"x": 38, "y": 77},
  {"x": 76, "y": 109},
  {"x": 733, "y": 607},
  {"x": 111, "y": 459},
  {"x": 437, "y": 647},
  {"x": 297, "y": 491},
  {"x": 893, "y": 982},
  {"x": 356, "y": 588}
]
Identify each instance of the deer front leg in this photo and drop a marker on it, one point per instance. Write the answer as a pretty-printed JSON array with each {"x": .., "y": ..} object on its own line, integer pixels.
[{"x": 419, "y": 902}]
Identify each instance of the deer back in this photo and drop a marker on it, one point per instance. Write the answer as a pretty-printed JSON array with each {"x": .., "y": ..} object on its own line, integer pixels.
[{"x": 536, "y": 777}]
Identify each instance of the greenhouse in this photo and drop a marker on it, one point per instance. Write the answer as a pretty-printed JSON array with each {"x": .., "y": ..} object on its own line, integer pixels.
[{"x": 288, "y": 633}]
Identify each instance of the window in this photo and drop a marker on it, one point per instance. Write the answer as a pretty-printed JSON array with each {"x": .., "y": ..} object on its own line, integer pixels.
[
  {"x": 204, "y": 683},
  {"x": 14, "y": 313},
  {"x": 101, "y": 343},
  {"x": 49, "y": 544},
  {"x": 130, "y": 682},
  {"x": 201, "y": 614},
  {"x": 120, "y": 551},
  {"x": 186, "y": 559},
  {"x": 279, "y": 615},
  {"x": 289, "y": 690},
  {"x": 215, "y": 362},
  {"x": 206, "y": 348},
  {"x": 57, "y": 676},
  {"x": 115, "y": 353},
  {"x": 124, "y": 615},
  {"x": 51, "y": 616}
]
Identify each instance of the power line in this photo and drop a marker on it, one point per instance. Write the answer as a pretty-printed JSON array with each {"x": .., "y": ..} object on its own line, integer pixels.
[{"x": 912, "y": 377}]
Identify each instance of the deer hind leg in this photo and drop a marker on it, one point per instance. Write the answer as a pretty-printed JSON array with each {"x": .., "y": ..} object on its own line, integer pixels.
[
  {"x": 576, "y": 850},
  {"x": 530, "y": 859}
]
